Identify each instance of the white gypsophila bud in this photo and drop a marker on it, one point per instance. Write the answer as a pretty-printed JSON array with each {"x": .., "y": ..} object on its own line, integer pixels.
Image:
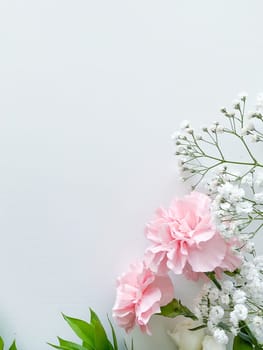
[
  {"x": 255, "y": 138},
  {"x": 224, "y": 299},
  {"x": 225, "y": 206},
  {"x": 240, "y": 311},
  {"x": 244, "y": 131},
  {"x": 249, "y": 247},
  {"x": 233, "y": 319},
  {"x": 181, "y": 148},
  {"x": 239, "y": 296},
  {"x": 251, "y": 114},
  {"x": 213, "y": 294},
  {"x": 216, "y": 313},
  {"x": 228, "y": 286},
  {"x": 220, "y": 336},
  {"x": 184, "y": 124},
  {"x": 250, "y": 125},
  {"x": 198, "y": 137},
  {"x": 243, "y": 95},
  {"x": 236, "y": 104},
  {"x": 212, "y": 128},
  {"x": 204, "y": 128},
  {"x": 220, "y": 169},
  {"x": 220, "y": 129},
  {"x": 189, "y": 131}
]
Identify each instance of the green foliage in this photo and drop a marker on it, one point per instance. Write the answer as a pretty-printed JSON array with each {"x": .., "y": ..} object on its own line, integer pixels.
[
  {"x": 176, "y": 308},
  {"x": 92, "y": 335},
  {"x": 2, "y": 345},
  {"x": 241, "y": 344}
]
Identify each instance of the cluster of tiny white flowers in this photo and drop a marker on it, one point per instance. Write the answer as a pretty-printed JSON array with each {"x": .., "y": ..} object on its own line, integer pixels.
[
  {"x": 252, "y": 279},
  {"x": 237, "y": 201},
  {"x": 239, "y": 299},
  {"x": 236, "y": 191}
]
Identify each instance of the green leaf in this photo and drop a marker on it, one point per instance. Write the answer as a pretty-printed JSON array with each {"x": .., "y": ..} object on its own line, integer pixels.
[
  {"x": 61, "y": 347},
  {"x": 93, "y": 316},
  {"x": 13, "y": 346},
  {"x": 82, "y": 329},
  {"x": 212, "y": 276},
  {"x": 101, "y": 341},
  {"x": 114, "y": 337},
  {"x": 241, "y": 344},
  {"x": 71, "y": 345},
  {"x": 233, "y": 273},
  {"x": 1, "y": 344},
  {"x": 176, "y": 308}
]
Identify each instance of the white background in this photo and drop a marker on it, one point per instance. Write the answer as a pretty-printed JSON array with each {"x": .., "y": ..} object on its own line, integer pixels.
[{"x": 90, "y": 92}]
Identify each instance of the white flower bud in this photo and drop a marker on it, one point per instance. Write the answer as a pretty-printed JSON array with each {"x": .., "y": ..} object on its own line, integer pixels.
[
  {"x": 184, "y": 338},
  {"x": 184, "y": 124}
]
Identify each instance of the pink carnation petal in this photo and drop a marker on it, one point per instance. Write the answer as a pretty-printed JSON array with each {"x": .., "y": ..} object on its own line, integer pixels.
[{"x": 207, "y": 255}]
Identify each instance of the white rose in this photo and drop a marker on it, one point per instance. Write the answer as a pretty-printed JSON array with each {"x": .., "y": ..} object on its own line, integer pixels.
[
  {"x": 184, "y": 338},
  {"x": 209, "y": 343}
]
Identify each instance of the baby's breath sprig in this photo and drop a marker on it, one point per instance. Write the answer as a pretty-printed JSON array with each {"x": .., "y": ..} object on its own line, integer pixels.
[
  {"x": 199, "y": 154},
  {"x": 234, "y": 184}
]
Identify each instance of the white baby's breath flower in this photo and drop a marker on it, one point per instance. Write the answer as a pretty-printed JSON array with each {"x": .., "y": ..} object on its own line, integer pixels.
[
  {"x": 213, "y": 294},
  {"x": 209, "y": 343},
  {"x": 240, "y": 312},
  {"x": 224, "y": 299},
  {"x": 216, "y": 313},
  {"x": 239, "y": 296},
  {"x": 184, "y": 124},
  {"x": 225, "y": 206},
  {"x": 243, "y": 95},
  {"x": 255, "y": 138},
  {"x": 220, "y": 129},
  {"x": 228, "y": 286},
  {"x": 220, "y": 336},
  {"x": 236, "y": 104},
  {"x": 249, "y": 247},
  {"x": 257, "y": 326}
]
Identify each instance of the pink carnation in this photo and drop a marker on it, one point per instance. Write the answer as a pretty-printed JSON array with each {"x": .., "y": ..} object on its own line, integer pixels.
[
  {"x": 185, "y": 239},
  {"x": 140, "y": 293}
]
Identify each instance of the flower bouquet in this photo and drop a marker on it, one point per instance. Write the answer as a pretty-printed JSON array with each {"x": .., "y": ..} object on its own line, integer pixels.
[{"x": 208, "y": 236}]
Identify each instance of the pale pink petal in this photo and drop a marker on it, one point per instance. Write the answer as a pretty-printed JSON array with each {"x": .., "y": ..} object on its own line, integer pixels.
[{"x": 207, "y": 255}]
